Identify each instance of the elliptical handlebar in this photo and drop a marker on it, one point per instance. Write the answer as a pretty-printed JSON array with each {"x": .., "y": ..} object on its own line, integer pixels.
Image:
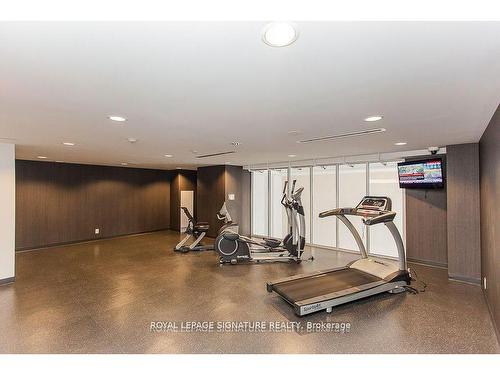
[
  {"x": 297, "y": 194},
  {"x": 284, "y": 187},
  {"x": 284, "y": 195},
  {"x": 285, "y": 201}
]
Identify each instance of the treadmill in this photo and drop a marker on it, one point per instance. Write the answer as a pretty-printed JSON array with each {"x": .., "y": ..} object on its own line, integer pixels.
[{"x": 322, "y": 290}]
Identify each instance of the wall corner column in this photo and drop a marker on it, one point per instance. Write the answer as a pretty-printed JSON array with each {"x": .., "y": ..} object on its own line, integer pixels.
[
  {"x": 463, "y": 212},
  {"x": 7, "y": 212}
]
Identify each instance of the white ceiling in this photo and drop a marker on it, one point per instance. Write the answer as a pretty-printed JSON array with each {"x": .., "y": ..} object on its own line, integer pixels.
[{"x": 199, "y": 86}]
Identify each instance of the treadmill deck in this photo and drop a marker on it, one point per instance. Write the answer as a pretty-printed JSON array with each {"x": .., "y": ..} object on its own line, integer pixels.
[{"x": 323, "y": 284}]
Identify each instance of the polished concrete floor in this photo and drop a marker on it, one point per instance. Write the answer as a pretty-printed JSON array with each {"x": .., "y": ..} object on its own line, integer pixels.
[{"x": 101, "y": 297}]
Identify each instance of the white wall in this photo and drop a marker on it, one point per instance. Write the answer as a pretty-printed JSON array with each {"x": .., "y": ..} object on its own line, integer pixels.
[
  {"x": 324, "y": 198},
  {"x": 7, "y": 211},
  {"x": 384, "y": 181}
]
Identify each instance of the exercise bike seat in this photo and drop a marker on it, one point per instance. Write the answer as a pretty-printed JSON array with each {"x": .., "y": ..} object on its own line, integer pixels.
[{"x": 201, "y": 227}]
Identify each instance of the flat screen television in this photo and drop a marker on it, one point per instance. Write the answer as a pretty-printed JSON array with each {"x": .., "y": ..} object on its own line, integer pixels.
[{"x": 421, "y": 174}]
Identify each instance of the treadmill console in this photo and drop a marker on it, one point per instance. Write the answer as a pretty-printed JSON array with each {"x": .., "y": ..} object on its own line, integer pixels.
[
  {"x": 374, "y": 210},
  {"x": 373, "y": 206}
]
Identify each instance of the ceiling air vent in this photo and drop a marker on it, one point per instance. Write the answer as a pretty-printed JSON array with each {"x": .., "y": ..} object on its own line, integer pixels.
[
  {"x": 216, "y": 154},
  {"x": 343, "y": 135}
]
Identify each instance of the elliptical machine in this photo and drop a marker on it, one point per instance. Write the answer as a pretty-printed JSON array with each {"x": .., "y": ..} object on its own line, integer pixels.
[{"x": 234, "y": 248}]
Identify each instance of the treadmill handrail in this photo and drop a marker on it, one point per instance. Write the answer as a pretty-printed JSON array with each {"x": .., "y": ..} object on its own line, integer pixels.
[
  {"x": 382, "y": 218},
  {"x": 372, "y": 218},
  {"x": 399, "y": 244},
  {"x": 337, "y": 212},
  {"x": 355, "y": 234}
]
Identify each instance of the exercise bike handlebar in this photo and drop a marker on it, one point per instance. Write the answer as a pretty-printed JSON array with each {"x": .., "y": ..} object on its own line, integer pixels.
[{"x": 188, "y": 214}]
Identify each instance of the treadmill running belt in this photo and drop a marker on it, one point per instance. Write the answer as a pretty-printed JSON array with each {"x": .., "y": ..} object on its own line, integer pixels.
[{"x": 331, "y": 282}]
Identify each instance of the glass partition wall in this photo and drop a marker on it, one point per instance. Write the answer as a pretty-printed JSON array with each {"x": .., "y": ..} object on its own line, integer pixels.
[
  {"x": 383, "y": 180},
  {"x": 260, "y": 203},
  {"x": 324, "y": 197},
  {"x": 352, "y": 187},
  {"x": 327, "y": 187}
]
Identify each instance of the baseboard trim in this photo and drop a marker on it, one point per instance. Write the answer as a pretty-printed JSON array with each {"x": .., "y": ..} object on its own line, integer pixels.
[
  {"x": 24, "y": 249},
  {"x": 429, "y": 263},
  {"x": 464, "y": 279},
  {"x": 8, "y": 280},
  {"x": 490, "y": 310}
]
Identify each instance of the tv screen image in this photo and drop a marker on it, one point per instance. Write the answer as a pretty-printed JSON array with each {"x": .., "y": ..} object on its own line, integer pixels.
[{"x": 421, "y": 174}]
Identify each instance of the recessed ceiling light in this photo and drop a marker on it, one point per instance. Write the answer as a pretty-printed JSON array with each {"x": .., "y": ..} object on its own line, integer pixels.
[
  {"x": 400, "y": 143},
  {"x": 124, "y": 163},
  {"x": 68, "y": 143},
  {"x": 59, "y": 161},
  {"x": 292, "y": 155},
  {"x": 228, "y": 162},
  {"x": 235, "y": 143},
  {"x": 194, "y": 151},
  {"x": 178, "y": 168},
  {"x": 132, "y": 140},
  {"x": 41, "y": 157},
  {"x": 373, "y": 118},
  {"x": 117, "y": 118},
  {"x": 294, "y": 132},
  {"x": 169, "y": 156},
  {"x": 279, "y": 34}
]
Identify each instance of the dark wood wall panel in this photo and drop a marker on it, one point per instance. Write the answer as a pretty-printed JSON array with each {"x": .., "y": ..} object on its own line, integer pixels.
[
  {"x": 233, "y": 179},
  {"x": 426, "y": 228},
  {"x": 489, "y": 164},
  {"x": 175, "y": 200},
  {"x": 61, "y": 203},
  {"x": 210, "y": 195},
  {"x": 181, "y": 180},
  {"x": 214, "y": 183},
  {"x": 464, "y": 241}
]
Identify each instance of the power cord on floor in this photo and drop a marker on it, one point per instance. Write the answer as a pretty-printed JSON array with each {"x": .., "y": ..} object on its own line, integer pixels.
[{"x": 415, "y": 290}]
